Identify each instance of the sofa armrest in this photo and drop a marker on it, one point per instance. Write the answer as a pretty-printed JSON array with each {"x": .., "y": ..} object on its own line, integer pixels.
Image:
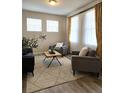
[
  {"x": 85, "y": 58},
  {"x": 64, "y": 47},
  {"x": 86, "y": 63},
  {"x": 52, "y": 46}
]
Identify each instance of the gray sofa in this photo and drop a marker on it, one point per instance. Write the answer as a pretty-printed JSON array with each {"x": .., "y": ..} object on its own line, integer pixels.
[
  {"x": 88, "y": 63},
  {"x": 63, "y": 50}
]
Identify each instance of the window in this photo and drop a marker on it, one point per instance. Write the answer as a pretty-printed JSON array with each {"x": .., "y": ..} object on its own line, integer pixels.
[
  {"x": 83, "y": 31},
  {"x": 34, "y": 24},
  {"x": 52, "y": 26},
  {"x": 89, "y": 28},
  {"x": 74, "y": 29}
]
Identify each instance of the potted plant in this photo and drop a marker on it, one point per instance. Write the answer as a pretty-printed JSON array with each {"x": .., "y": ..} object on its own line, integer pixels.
[{"x": 29, "y": 43}]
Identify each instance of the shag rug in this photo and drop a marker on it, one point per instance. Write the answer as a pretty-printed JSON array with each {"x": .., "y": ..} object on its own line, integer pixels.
[{"x": 54, "y": 75}]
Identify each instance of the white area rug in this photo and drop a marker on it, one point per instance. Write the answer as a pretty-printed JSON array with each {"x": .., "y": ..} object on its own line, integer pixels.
[{"x": 46, "y": 77}]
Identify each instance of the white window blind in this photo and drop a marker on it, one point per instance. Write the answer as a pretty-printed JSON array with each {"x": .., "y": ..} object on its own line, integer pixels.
[
  {"x": 52, "y": 26},
  {"x": 34, "y": 24},
  {"x": 83, "y": 30},
  {"x": 74, "y": 29},
  {"x": 89, "y": 28}
]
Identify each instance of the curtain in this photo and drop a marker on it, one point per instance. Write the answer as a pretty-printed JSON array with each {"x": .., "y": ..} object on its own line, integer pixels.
[
  {"x": 68, "y": 31},
  {"x": 98, "y": 13}
]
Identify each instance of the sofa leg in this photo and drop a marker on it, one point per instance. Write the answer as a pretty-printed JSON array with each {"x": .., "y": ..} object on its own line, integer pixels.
[
  {"x": 33, "y": 73},
  {"x": 97, "y": 75},
  {"x": 73, "y": 72}
]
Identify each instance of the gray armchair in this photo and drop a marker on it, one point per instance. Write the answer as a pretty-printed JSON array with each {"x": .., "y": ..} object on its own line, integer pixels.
[
  {"x": 63, "y": 50},
  {"x": 28, "y": 60},
  {"x": 86, "y": 63}
]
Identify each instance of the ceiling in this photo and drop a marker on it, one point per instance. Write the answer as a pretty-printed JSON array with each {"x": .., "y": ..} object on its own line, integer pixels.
[{"x": 63, "y": 7}]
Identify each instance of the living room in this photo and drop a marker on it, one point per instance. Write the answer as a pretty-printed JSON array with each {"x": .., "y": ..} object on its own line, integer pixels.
[
  {"x": 26, "y": 26},
  {"x": 67, "y": 31}
]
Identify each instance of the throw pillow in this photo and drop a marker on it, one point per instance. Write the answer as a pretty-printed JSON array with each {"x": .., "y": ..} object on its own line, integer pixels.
[
  {"x": 59, "y": 45},
  {"x": 83, "y": 51}
]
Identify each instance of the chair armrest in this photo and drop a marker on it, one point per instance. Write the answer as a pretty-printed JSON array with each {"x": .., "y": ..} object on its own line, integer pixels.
[
  {"x": 27, "y": 50},
  {"x": 75, "y": 52},
  {"x": 28, "y": 59}
]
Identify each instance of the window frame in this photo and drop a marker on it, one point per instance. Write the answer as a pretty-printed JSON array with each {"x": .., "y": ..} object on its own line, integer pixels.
[
  {"x": 33, "y": 25},
  {"x": 53, "y": 21}
]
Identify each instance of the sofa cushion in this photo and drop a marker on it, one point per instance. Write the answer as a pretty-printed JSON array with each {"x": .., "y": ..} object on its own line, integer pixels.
[
  {"x": 59, "y": 45},
  {"x": 83, "y": 51},
  {"x": 91, "y": 53}
]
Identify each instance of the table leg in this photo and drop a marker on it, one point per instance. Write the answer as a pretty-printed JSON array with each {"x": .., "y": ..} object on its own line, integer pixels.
[
  {"x": 50, "y": 62},
  {"x": 58, "y": 61},
  {"x": 44, "y": 59}
]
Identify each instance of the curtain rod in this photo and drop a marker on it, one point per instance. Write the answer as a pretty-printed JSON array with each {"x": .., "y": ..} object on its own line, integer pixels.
[
  {"x": 85, "y": 10},
  {"x": 82, "y": 11}
]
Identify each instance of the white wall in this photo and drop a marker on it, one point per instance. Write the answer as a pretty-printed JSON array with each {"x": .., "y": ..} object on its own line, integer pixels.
[{"x": 52, "y": 37}]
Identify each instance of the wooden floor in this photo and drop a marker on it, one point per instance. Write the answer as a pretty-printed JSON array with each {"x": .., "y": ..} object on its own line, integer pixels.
[{"x": 88, "y": 84}]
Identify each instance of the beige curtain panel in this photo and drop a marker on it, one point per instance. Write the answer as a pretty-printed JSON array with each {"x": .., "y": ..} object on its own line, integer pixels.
[
  {"x": 69, "y": 30},
  {"x": 98, "y": 10}
]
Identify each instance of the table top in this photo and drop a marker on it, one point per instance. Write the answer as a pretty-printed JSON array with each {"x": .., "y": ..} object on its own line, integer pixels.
[{"x": 52, "y": 55}]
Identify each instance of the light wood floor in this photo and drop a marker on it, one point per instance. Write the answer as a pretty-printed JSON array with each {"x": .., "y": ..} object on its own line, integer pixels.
[{"x": 88, "y": 84}]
